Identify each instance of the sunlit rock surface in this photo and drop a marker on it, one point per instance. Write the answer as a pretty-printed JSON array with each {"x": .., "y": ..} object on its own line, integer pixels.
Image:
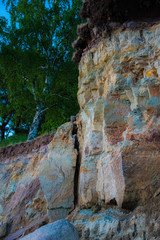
[
  {"x": 39, "y": 186},
  {"x": 57, "y": 173},
  {"x": 119, "y": 121}
]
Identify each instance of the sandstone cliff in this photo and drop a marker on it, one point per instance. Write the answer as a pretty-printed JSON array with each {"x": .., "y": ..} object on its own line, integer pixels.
[
  {"x": 119, "y": 96},
  {"x": 106, "y": 178},
  {"x": 37, "y": 186},
  {"x": 119, "y": 125}
]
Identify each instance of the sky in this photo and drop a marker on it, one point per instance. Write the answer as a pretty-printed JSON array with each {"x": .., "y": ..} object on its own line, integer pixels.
[{"x": 3, "y": 11}]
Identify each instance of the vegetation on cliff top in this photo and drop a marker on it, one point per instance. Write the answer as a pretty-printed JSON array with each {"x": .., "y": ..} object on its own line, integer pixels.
[{"x": 38, "y": 80}]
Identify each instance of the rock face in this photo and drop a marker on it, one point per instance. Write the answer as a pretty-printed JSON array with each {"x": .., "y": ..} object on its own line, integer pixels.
[
  {"x": 119, "y": 121},
  {"x": 110, "y": 224},
  {"x": 58, "y": 230},
  {"x": 118, "y": 150},
  {"x": 57, "y": 173},
  {"x": 116, "y": 225},
  {"x": 38, "y": 187}
]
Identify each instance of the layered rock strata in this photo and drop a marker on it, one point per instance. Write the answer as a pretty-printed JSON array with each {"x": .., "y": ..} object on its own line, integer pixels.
[
  {"x": 119, "y": 121},
  {"x": 116, "y": 225},
  {"x": 39, "y": 186}
]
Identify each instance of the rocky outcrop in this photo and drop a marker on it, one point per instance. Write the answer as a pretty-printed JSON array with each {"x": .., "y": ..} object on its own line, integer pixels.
[
  {"x": 58, "y": 230},
  {"x": 57, "y": 173},
  {"x": 116, "y": 225},
  {"x": 110, "y": 224},
  {"x": 119, "y": 121},
  {"x": 38, "y": 186},
  {"x": 118, "y": 52},
  {"x": 110, "y": 172}
]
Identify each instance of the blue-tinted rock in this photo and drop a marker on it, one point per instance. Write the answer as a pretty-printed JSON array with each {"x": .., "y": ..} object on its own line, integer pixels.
[{"x": 59, "y": 230}]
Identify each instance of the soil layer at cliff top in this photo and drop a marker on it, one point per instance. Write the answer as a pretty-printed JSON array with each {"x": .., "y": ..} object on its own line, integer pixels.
[
  {"x": 25, "y": 148},
  {"x": 106, "y": 15}
]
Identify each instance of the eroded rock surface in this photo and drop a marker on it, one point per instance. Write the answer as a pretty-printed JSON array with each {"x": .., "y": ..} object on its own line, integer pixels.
[
  {"x": 39, "y": 185},
  {"x": 119, "y": 121},
  {"x": 57, "y": 173},
  {"x": 119, "y": 143},
  {"x": 116, "y": 225},
  {"x": 58, "y": 230}
]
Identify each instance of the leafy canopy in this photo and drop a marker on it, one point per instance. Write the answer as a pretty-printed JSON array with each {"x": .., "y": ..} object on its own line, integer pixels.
[{"x": 35, "y": 60}]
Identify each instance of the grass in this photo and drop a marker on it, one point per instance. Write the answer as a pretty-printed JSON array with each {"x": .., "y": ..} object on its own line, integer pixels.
[{"x": 17, "y": 138}]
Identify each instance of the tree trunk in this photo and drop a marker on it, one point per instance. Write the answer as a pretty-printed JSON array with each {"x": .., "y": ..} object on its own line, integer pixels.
[
  {"x": 35, "y": 124},
  {"x": 2, "y": 133},
  {"x": 17, "y": 125}
]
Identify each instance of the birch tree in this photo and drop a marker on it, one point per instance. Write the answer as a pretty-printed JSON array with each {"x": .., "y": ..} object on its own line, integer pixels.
[{"x": 40, "y": 38}]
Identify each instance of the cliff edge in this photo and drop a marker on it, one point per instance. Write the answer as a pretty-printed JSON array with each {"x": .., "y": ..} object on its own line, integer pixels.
[{"x": 104, "y": 16}]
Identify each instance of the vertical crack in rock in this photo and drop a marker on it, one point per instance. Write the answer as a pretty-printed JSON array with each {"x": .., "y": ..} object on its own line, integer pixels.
[{"x": 77, "y": 169}]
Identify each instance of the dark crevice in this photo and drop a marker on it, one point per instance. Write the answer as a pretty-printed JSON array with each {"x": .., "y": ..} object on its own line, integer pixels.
[
  {"x": 130, "y": 205},
  {"x": 119, "y": 228},
  {"x": 9, "y": 227},
  {"x": 57, "y": 208},
  {"x": 142, "y": 36},
  {"x": 77, "y": 169},
  {"x": 113, "y": 202}
]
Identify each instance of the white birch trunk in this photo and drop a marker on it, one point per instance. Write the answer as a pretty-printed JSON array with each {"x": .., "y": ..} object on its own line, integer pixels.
[{"x": 35, "y": 124}]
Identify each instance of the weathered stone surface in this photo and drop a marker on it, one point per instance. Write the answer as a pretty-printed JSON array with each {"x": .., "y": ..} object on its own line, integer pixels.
[
  {"x": 57, "y": 173},
  {"x": 114, "y": 224},
  {"x": 119, "y": 142},
  {"x": 3, "y": 230},
  {"x": 26, "y": 230},
  {"x": 119, "y": 121},
  {"x": 39, "y": 184},
  {"x": 58, "y": 230}
]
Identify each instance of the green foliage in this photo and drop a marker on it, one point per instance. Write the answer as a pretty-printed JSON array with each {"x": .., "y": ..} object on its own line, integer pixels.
[
  {"x": 35, "y": 58},
  {"x": 62, "y": 100},
  {"x": 17, "y": 138}
]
